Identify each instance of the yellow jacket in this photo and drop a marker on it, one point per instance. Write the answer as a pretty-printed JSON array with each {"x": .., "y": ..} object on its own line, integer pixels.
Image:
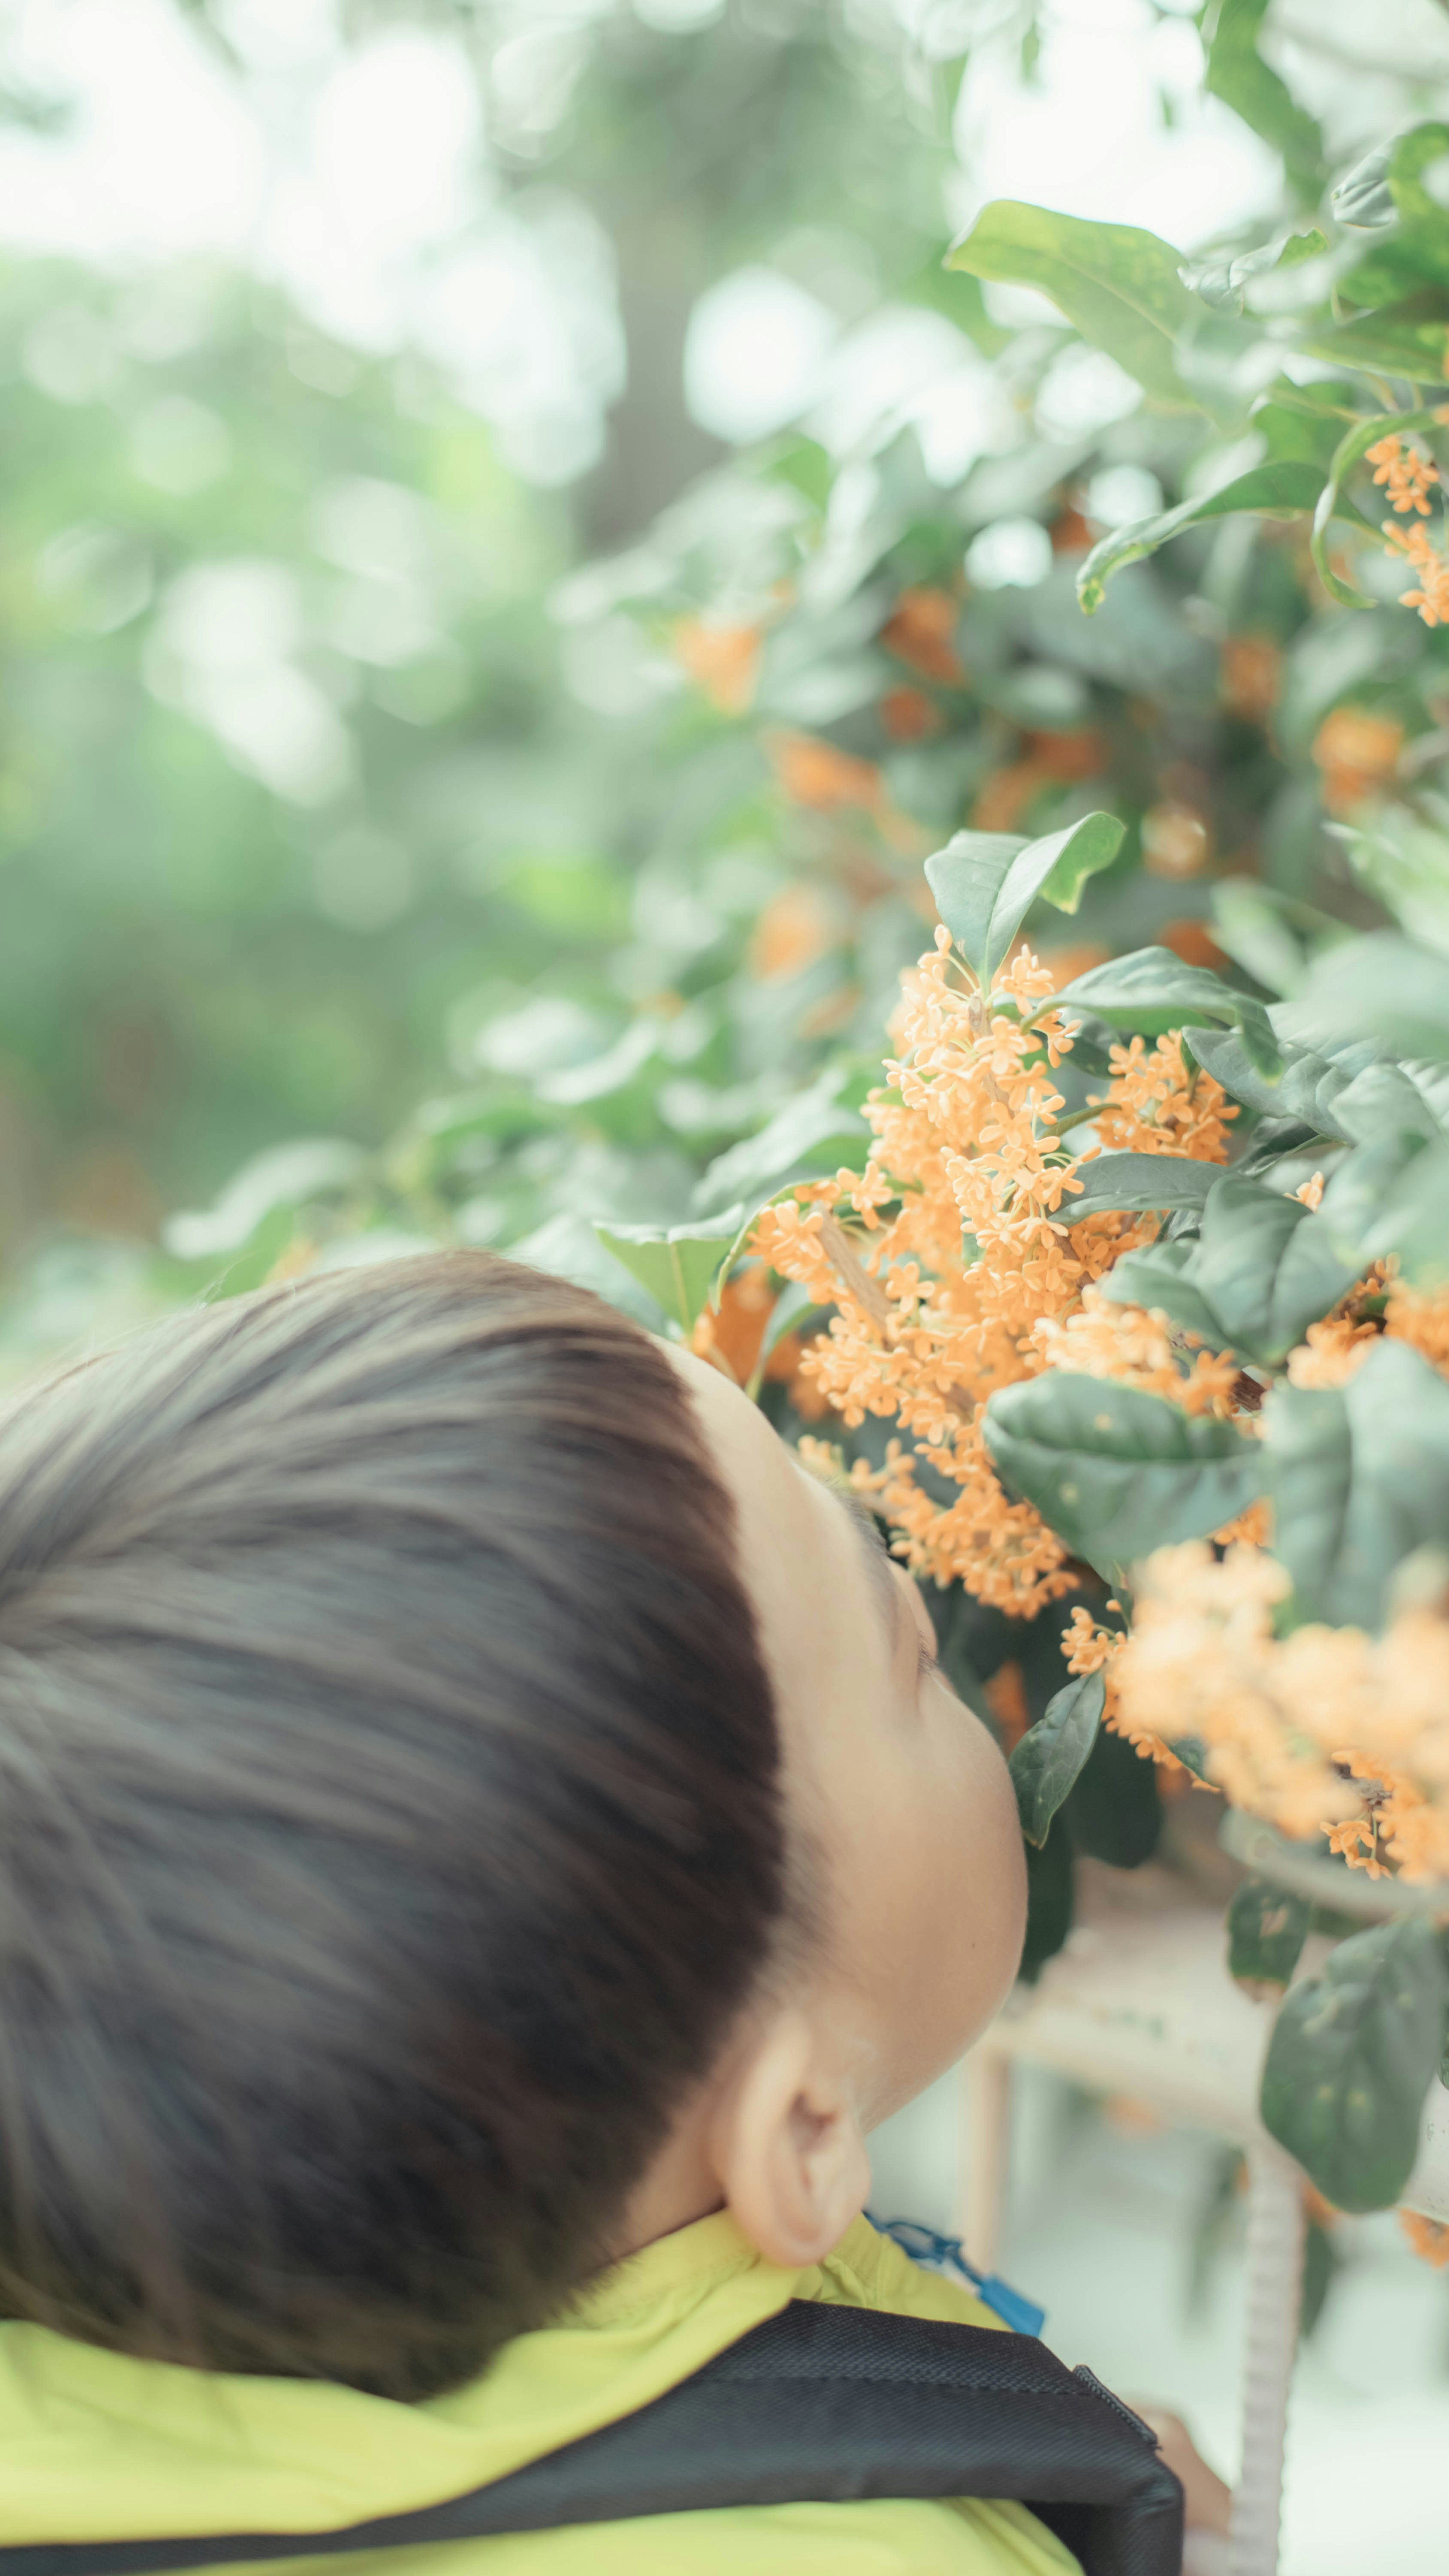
[{"x": 94, "y": 2446}]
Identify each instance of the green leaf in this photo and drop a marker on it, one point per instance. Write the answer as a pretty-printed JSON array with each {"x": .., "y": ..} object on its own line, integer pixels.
[
  {"x": 1119, "y": 286},
  {"x": 1384, "y": 1099},
  {"x": 1353, "y": 2053},
  {"x": 1160, "y": 1278},
  {"x": 1223, "y": 283},
  {"x": 793, "y": 1303},
  {"x": 1366, "y": 1193},
  {"x": 283, "y": 1178},
  {"x": 1410, "y": 1215},
  {"x": 1049, "y": 1904},
  {"x": 1309, "y": 1086},
  {"x": 813, "y": 1133},
  {"x": 1047, "y": 1761},
  {"x": 1287, "y": 489},
  {"x": 677, "y": 1264},
  {"x": 965, "y": 1658},
  {"x": 1320, "y": 2267},
  {"x": 1114, "y": 1813},
  {"x": 1418, "y": 247},
  {"x": 1410, "y": 156},
  {"x": 1399, "y": 856},
  {"x": 986, "y": 882},
  {"x": 1267, "y": 1927},
  {"x": 1363, "y": 196},
  {"x": 1152, "y": 991},
  {"x": 1263, "y": 1269},
  {"x": 1267, "y": 1267},
  {"x": 1408, "y": 339},
  {"x": 1359, "y": 1478},
  {"x": 1348, "y": 456},
  {"x": 1385, "y": 987},
  {"x": 1117, "y": 1472},
  {"x": 1082, "y": 850},
  {"x": 1271, "y": 934},
  {"x": 1298, "y": 427},
  {"x": 1237, "y": 74},
  {"x": 1138, "y": 1182}
]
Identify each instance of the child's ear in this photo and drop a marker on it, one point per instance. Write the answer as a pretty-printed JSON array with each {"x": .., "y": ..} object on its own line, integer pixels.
[{"x": 789, "y": 2147}]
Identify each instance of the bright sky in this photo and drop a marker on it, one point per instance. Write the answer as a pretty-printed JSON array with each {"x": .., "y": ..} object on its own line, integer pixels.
[{"x": 359, "y": 179}]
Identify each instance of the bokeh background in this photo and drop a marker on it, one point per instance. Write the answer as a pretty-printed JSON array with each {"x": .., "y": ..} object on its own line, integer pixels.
[
  {"x": 481, "y": 479},
  {"x": 360, "y": 366}
]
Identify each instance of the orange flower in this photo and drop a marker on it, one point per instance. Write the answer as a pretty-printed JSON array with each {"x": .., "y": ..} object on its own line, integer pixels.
[
  {"x": 1420, "y": 1317},
  {"x": 1155, "y": 1106},
  {"x": 1431, "y": 593},
  {"x": 1429, "y": 2237},
  {"x": 1252, "y": 1528},
  {"x": 1074, "y": 753},
  {"x": 722, "y": 660},
  {"x": 1332, "y": 1351},
  {"x": 922, "y": 632},
  {"x": 1335, "y": 1348},
  {"x": 783, "y": 1369},
  {"x": 1357, "y": 1842},
  {"x": 1062, "y": 758},
  {"x": 1004, "y": 801},
  {"x": 736, "y": 1332},
  {"x": 908, "y": 715},
  {"x": 1087, "y": 1647},
  {"x": 1252, "y": 676},
  {"x": 1175, "y": 841},
  {"x": 815, "y": 774},
  {"x": 1137, "y": 1349},
  {"x": 1006, "y": 1699},
  {"x": 1407, "y": 477},
  {"x": 1071, "y": 534},
  {"x": 949, "y": 1253},
  {"x": 1194, "y": 943},
  {"x": 797, "y": 926},
  {"x": 1324, "y": 1731},
  {"x": 1357, "y": 753}
]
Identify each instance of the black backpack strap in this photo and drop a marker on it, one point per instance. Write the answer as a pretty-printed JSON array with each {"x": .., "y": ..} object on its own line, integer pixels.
[{"x": 818, "y": 2405}]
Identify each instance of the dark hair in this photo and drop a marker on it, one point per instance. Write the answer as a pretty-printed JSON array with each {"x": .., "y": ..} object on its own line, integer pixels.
[{"x": 389, "y": 1818}]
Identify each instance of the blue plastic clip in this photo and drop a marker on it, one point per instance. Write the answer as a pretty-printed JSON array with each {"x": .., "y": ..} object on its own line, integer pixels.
[{"x": 924, "y": 2245}]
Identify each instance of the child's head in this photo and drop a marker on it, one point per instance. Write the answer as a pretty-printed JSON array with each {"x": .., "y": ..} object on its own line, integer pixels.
[{"x": 468, "y": 1803}]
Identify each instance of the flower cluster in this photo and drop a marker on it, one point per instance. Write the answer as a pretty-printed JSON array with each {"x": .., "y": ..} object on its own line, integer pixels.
[
  {"x": 1323, "y": 1731},
  {"x": 954, "y": 1268},
  {"x": 732, "y": 1337},
  {"x": 1379, "y": 1304},
  {"x": 1407, "y": 479},
  {"x": 1138, "y": 1349}
]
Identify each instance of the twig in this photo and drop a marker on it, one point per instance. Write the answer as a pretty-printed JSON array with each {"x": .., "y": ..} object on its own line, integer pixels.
[
  {"x": 851, "y": 1270},
  {"x": 868, "y": 1292},
  {"x": 976, "y": 1015}
]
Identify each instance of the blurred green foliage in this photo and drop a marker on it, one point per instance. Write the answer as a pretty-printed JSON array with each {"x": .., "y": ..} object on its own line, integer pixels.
[
  {"x": 543, "y": 860},
  {"x": 296, "y": 796},
  {"x": 279, "y": 691}
]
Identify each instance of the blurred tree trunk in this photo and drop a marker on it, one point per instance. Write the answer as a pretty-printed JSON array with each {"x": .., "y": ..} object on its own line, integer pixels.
[{"x": 654, "y": 448}]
